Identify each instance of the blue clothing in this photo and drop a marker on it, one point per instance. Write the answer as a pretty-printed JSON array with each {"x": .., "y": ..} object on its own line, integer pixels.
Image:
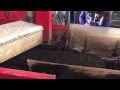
[{"x": 86, "y": 18}]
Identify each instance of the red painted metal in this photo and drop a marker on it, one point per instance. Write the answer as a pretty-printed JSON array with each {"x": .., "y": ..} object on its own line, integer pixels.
[
  {"x": 60, "y": 27},
  {"x": 23, "y": 14},
  {"x": 20, "y": 74},
  {"x": 7, "y": 14},
  {"x": 17, "y": 15},
  {"x": 11, "y": 16},
  {"x": 4, "y": 21},
  {"x": 44, "y": 18},
  {"x": 2, "y": 15}
]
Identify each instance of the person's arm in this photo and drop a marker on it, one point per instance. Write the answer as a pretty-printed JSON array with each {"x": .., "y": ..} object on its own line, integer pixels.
[
  {"x": 82, "y": 18},
  {"x": 107, "y": 21}
]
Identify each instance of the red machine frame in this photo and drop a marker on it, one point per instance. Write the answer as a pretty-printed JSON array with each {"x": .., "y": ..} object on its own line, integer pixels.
[
  {"x": 43, "y": 18},
  {"x": 20, "y": 74}
]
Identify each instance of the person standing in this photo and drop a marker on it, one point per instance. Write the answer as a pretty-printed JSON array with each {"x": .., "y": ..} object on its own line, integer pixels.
[{"x": 96, "y": 18}]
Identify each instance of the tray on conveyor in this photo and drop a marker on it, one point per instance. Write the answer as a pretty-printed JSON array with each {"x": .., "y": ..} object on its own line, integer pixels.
[{"x": 17, "y": 37}]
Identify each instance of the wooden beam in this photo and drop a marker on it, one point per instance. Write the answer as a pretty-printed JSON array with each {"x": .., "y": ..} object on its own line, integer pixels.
[{"x": 74, "y": 71}]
